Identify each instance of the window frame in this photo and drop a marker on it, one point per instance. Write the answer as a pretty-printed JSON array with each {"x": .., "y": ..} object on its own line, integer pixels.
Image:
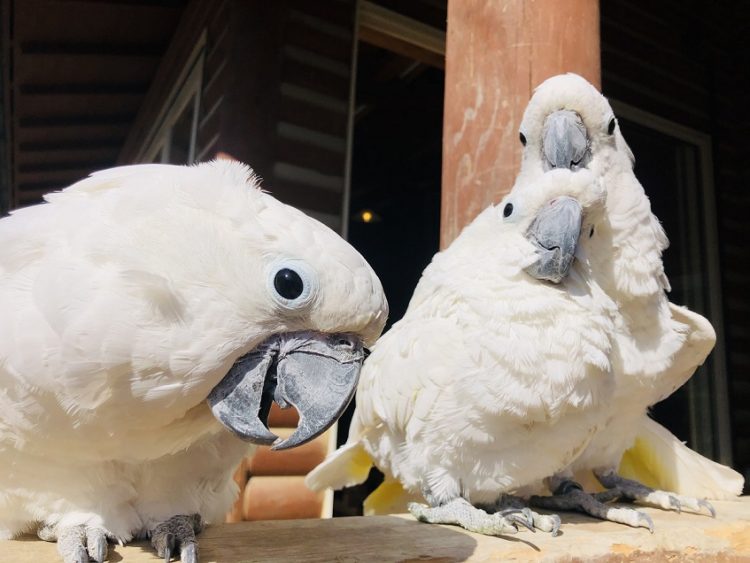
[{"x": 187, "y": 89}]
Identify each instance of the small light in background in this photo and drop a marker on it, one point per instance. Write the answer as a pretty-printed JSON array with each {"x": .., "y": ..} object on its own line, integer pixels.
[{"x": 366, "y": 216}]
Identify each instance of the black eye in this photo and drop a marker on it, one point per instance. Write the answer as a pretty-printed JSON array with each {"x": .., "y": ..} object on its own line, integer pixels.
[
  {"x": 591, "y": 232},
  {"x": 508, "y": 210},
  {"x": 523, "y": 138},
  {"x": 611, "y": 126},
  {"x": 288, "y": 283}
]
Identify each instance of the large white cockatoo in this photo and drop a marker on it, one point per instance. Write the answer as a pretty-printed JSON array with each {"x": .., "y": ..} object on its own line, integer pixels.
[
  {"x": 150, "y": 314},
  {"x": 568, "y": 124},
  {"x": 495, "y": 378}
]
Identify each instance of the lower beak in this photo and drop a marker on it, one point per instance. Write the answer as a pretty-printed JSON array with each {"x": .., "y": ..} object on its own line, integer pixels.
[
  {"x": 314, "y": 372},
  {"x": 555, "y": 232}
]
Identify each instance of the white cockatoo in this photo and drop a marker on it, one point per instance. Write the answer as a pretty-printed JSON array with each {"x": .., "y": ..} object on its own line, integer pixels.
[
  {"x": 495, "y": 378},
  {"x": 568, "y": 124},
  {"x": 150, "y": 314}
]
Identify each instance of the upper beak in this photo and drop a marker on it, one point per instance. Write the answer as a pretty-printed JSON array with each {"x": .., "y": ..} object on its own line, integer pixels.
[
  {"x": 565, "y": 141},
  {"x": 555, "y": 231},
  {"x": 314, "y": 372}
]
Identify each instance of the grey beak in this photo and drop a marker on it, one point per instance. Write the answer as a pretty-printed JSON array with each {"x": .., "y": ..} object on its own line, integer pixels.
[
  {"x": 314, "y": 372},
  {"x": 554, "y": 232},
  {"x": 565, "y": 141}
]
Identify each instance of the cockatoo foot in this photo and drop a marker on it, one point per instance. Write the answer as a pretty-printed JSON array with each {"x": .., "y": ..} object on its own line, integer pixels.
[
  {"x": 627, "y": 489},
  {"x": 461, "y": 512},
  {"x": 78, "y": 543},
  {"x": 570, "y": 496},
  {"x": 177, "y": 532},
  {"x": 543, "y": 522}
]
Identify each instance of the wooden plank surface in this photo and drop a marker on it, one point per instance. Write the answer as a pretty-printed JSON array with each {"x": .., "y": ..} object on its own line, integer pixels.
[{"x": 678, "y": 537}]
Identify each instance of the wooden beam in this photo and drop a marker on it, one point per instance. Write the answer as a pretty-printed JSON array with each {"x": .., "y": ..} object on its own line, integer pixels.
[
  {"x": 75, "y": 120},
  {"x": 390, "y": 30},
  {"x": 497, "y": 52},
  {"x": 90, "y": 48}
]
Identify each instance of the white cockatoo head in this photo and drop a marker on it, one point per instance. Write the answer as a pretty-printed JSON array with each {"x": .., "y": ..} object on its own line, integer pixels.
[
  {"x": 557, "y": 213},
  {"x": 254, "y": 301},
  {"x": 538, "y": 228},
  {"x": 569, "y": 124}
]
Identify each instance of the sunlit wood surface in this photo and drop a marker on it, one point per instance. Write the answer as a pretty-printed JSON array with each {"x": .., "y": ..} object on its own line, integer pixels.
[{"x": 678, "y": 537}]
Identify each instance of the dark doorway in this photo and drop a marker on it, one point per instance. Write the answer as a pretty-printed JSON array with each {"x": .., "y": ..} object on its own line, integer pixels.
[
  {"x": 395, "y": 188},
  {"x": 396, "y": 167}
]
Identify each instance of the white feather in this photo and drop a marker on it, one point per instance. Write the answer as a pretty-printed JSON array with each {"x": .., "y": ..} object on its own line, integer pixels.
[
  {"x": 125, "y": 299},
  {"x": 492, "y": 380},
  {"x": 657, "y": 345}
]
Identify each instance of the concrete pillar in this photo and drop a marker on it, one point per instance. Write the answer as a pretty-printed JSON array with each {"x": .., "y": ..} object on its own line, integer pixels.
[{"x": 497, "y": 51}]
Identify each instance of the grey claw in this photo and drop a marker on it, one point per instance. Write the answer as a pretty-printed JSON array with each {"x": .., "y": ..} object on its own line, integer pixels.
[
  {"x": 189, "y": 553},
  {"x": 708, "y": 506},
  {"x": 168, "y": 547},
  {"x": 529, "y": 519},
  {"x": 521, "y": 516},
  {"x": 96, "y": 544},
  {"x": 645, "y": 518},
  {"x": 674, "y": 502}
]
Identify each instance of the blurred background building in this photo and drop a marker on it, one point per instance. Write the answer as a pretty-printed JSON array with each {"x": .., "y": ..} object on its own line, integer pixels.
[{"x": 395, "y": 122}]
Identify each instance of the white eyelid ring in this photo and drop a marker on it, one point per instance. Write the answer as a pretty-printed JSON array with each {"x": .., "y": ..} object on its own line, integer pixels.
[{"x": 292, "y": 283}]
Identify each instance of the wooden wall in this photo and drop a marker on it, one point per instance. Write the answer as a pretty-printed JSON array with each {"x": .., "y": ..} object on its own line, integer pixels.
[
  {"x": 688, "y": 62},
  {"x": 277, "y": 97}
]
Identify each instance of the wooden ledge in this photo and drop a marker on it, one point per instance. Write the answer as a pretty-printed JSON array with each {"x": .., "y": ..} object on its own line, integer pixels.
[{"x": 684, "y": 537}]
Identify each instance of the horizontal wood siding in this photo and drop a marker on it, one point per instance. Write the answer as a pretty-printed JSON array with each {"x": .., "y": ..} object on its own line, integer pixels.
[{"x": 285, "y": 108}]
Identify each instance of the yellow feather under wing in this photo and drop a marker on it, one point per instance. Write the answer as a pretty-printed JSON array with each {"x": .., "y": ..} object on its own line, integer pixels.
[
  {"x": 389, "y": 498},
  {"x": 660, "y": 460},
  {"x": 348, "y": 466}
]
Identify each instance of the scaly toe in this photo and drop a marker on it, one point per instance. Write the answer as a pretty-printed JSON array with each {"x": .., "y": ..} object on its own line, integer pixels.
[
  {"x": 522, "y": 516},
  {"x": 178, "y": 532},
  {"x": 419, "y": 511},
  {"x": 96, "y": 544},
  {"x": 548, "y": 523}
]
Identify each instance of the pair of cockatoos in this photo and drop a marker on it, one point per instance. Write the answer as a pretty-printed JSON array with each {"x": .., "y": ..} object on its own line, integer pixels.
[
  {"x": 533, "y": 347},
  {"x": 149, "y": 316}
]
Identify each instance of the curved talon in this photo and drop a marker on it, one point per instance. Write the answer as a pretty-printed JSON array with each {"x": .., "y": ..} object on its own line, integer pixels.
[
  {"x": 189, "y": 553},
  {"x": 703, "y": 503},
  {"x": 643, "y": 517},
  {"x": 168, "y": 547},
  {"x": 96, "y": 544},
  {"x": 522, "y": 516},
  {"x": 529, "y": 523}
]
